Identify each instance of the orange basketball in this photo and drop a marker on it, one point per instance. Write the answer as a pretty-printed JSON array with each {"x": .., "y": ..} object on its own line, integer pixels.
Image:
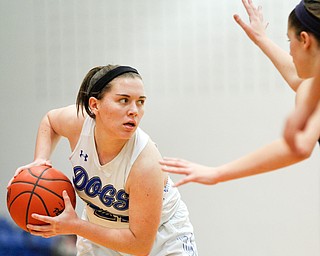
[{"x": 38, "y": 190}]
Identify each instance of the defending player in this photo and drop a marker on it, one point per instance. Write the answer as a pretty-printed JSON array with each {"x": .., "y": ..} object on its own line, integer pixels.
[{"x": 298, "y": 70}]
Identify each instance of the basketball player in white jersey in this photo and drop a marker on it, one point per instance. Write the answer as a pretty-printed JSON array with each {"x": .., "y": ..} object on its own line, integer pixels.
[{"x": 131, "y": 206}]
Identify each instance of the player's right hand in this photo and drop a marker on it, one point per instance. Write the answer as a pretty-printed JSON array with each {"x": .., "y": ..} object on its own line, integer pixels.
[{"x": 34, "y": 163}]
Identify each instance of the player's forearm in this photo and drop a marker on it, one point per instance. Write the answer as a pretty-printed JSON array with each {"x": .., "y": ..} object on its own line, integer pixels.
[
  {"x": 122, "y": 240},
  {"x": 46, "y": 140},
  {"x": 268, "y": 158},
  {"x": 281, "y": 60}
]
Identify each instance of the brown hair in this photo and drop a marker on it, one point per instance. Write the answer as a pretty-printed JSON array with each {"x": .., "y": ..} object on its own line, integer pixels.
[
  {"x": 89, "y": 80},
  {"x": 313, "y": 8}
]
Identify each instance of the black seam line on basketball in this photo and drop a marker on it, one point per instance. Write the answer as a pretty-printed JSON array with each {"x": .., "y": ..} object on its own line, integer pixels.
[
  {"x": 28, "y": 192},
  {"x": 39, "y": 177},
  {"x": 40, "y": 186},
  {"x": 53, "y": 180},
  {"x": 14, "y": 199},
  {"x": 31, "y": 173},
  {"x": 44, "y": 179},
  {"x": 32, "y": 192},
  {"x": 43, "y": 203}
]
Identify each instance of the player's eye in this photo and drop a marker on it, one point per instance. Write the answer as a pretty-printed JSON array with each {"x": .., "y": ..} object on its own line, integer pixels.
[
  {"x": 141, "y": 102},
  {"x": 123, "y": 100}
]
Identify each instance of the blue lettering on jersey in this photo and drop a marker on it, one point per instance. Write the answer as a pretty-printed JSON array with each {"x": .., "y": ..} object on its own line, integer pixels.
[{"x": 108, "y": 194}]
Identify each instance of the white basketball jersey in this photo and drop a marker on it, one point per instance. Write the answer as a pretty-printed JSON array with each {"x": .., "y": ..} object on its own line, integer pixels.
[{"x": 103, "y": 187}]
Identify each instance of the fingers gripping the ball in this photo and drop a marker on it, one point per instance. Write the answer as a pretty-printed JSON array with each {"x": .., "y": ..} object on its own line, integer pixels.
[
  {"x": 67, "y": 201},
  {"x": 47, "y": 163},
  {"x": 53, "y": 224},
  {"x": 41, "y": 230}
]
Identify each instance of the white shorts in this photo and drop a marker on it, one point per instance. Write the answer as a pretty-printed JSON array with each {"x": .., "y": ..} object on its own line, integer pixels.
[{"x": 174, "y": 238}]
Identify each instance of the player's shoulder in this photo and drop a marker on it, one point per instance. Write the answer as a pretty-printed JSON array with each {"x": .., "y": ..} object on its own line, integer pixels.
[
  {"x": 66, "y": 110},
  {"x": 147, "y": 166},
  {"x": 149, "y": 157},
  {"x": 151, "y": 150},
  {"x": 67, "y": 114},
  {"x": 66, "y": 121}
]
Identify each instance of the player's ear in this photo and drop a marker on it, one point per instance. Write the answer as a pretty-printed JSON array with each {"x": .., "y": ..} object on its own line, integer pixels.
[
  {"x": 305, "y": 39},
  {"x": 93, "y": 105}
]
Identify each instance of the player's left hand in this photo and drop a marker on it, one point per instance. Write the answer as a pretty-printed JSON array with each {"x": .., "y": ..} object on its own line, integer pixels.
[{"x": 60, "y": 225}]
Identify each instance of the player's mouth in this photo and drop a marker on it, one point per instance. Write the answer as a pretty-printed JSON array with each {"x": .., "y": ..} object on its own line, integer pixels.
[{"x": 130, "y": 125}]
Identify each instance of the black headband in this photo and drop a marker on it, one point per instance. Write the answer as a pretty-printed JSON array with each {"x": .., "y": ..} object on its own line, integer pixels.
[
  {"x": 307, "y": 19},
  {"x": 109, "y": 76}
]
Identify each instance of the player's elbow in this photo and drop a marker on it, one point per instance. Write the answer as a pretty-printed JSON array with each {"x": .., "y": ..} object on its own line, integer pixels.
[
  {"x": 301, "y": 153},
  {"x": 143, "y": 250},
  {"x": 305, "y": 148},
  {"x": 304, "y": 153},
  {"x": 143, "y": 246},
  {"x": 144, "y": 253}
]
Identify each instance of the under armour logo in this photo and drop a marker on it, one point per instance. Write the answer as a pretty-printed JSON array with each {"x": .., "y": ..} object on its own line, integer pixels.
[{"x": 85, "y": 156}]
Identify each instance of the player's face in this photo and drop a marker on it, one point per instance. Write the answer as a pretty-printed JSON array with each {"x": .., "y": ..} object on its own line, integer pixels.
[
  {"x": 296, "y": 51},
  {"x": 120, "y": 110}
]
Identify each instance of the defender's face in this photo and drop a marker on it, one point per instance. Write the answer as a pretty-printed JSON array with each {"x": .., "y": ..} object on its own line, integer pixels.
[{"x": 300, "y": 54}]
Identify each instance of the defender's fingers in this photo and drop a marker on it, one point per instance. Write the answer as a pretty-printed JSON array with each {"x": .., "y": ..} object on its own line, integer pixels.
[
  {"x": 182, "y": 182},
  {"x": 174, "y": 162},
  {"x": 175, "y": 170}
]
